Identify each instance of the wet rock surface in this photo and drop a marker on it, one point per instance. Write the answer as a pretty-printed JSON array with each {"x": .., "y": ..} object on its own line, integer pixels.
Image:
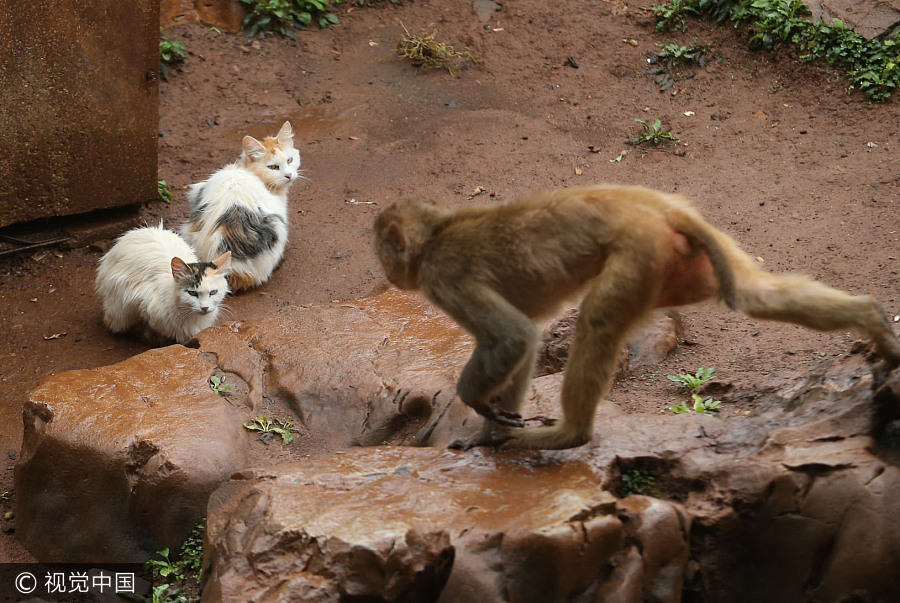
[
  {"x": 795, "y": 501},
  {"x": 788, "y": 495},
  {"x": 117, "y": 462},
  {"x": 394, "y": 524}
]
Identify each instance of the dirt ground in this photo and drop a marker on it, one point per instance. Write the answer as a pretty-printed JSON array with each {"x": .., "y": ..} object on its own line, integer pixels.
[{"x": 774, "y": 151}]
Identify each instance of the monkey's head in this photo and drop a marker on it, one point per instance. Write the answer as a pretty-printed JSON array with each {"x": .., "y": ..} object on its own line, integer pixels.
[{"x": 400, "y": 234}]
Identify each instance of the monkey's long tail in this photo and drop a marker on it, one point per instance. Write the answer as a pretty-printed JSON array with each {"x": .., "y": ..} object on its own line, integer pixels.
[{"x": 717, "y": 245}]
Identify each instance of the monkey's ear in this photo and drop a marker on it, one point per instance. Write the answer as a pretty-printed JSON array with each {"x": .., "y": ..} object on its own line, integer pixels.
[{"x": 395, "y": 237}]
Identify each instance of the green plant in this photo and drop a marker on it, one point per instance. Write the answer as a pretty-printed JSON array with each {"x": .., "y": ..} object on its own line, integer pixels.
[
  {"x": 218, "y": 385},
  {"x": 873, "y": 66},
  {"x": 671, "y": 16},
  {"x": 165, "y": 567},
  {"x": 163, "y": 192},
  {"x": 283, "y": 16},
  {"x": 192, "y": 552},
  {"x": 778, "y": 21},
  {"x": 653, "y": 134},
  {"x": 637, "y": 481},
  {"x": 694, "y": 381},
  {"x": 4, "y": 496},
  {"x": 706, "y": 406},
  {"x": 171, "y": 52},
  {"x": 271, "y": 427},
  {"x": 166, "y": 593},
  {"x": 671, "y": 56}
]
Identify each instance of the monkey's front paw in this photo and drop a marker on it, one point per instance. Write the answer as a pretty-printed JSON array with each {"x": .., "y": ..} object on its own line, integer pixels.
[{"x": 507, "y": 418}]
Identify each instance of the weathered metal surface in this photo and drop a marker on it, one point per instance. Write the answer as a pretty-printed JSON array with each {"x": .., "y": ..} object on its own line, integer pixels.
[{"x": 78, "y": 106}]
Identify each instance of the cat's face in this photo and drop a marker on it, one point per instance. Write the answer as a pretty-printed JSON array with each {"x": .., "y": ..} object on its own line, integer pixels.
[
  {"x": 202, "y": 285},
  {"x": 274, "y": 160}
]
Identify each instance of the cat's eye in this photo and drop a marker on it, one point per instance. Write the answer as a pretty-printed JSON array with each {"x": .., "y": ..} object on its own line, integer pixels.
[
  {"x": 273, "y": 166},
  {"x": 192, "y": 293},
  {"x": 290, "y": 160},
  {"x": 213, "y": 292}
]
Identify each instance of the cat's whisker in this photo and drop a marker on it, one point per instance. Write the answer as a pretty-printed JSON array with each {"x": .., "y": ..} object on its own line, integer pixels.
[{"x": 226, "y": 312}]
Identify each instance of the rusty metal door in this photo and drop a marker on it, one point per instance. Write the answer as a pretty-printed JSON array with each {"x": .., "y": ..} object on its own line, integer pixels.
[{"x": 78, "y": 106}]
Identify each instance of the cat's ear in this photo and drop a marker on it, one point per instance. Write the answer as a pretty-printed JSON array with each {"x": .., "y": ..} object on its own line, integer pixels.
[
  {"x": 285, "y": 136},
  {"x": 223, "y": 263},
  {"x": 253, "y": 148},
  {"x": 180, "y": 270}
]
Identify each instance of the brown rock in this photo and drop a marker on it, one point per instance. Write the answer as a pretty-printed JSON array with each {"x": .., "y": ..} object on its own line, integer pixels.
[
  {"x": 224, "y": 14},
  {"x": 118, "y": 462},
  {"x": 485, "y": 527},
  {"x": 868, "y": 18},
  {"x": 648, "y": 346},
  {"x": 354, "y": 373}
]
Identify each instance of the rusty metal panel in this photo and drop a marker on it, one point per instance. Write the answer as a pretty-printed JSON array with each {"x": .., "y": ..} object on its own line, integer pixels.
[{"x": 78, "y": 106}]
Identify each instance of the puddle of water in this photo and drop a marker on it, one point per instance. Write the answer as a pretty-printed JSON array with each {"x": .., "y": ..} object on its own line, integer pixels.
[
  {"x": 312, "y": 122},
  {"x": 308, "y": 123}
]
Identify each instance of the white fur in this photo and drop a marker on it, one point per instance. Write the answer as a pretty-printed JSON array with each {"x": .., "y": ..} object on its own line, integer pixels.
[
  {"x": 138, "y": 289},
  {"x": 250, "y": 182}
]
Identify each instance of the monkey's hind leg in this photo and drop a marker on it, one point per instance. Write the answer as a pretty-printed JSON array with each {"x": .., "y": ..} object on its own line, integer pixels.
[
  {"x": 619, "y": 300},
  {"x": 800, "y": 300}
]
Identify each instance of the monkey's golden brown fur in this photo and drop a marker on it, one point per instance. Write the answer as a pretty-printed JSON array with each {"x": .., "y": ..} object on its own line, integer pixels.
[{"x": 498, "y": 270}]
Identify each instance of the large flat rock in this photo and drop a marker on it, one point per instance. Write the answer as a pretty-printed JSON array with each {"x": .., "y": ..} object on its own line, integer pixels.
[{"x": 394, "y": 524}]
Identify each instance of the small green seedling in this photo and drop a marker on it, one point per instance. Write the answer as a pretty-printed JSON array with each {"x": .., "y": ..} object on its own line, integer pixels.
[
  {"x": 653, "y": 134},
  {"x": 166, "y": 593},
  {"x": 171, "y": 52},
  {"x": 637, "y": 481},
  {"x": 271, "y": 427},
  {"x": 165, "y": 567},
  {"x": 705, "y": 406},
  {"x": 218, "y": 385},
  {"x": 690, "y": 381},
  {"x": 192, "y": 552},
  {"x": 163, "y": 192},
  {"x": 671, "y": 56}
]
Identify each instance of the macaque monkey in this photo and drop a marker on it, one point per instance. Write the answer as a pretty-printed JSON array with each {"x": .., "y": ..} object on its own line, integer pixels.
[{"x": 499, "y": 270}]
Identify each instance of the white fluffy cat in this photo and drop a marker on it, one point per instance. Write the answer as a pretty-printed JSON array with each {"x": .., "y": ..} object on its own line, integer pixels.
[
  {"x": 151, "y": 281},
  {"x": 242, "y": 208}
]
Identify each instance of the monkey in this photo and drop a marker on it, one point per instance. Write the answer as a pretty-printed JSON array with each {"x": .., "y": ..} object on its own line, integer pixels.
[{"x": 499, "y": 270}]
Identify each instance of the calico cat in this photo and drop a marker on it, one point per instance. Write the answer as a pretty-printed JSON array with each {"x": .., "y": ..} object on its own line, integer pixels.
[
  {"x": 151, "y": 282},
  {"x": 242, "y": 208}
]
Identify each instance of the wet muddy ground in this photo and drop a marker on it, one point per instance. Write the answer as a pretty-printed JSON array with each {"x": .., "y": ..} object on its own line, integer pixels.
[{"x": 776, "y": 152}]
